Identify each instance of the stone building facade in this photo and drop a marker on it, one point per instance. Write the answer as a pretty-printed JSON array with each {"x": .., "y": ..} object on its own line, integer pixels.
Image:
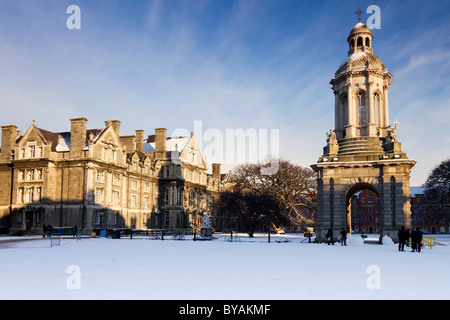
[
  {"x": 362, "y": 152},
  {"x": 365, "y": 212},
  {"x": 95, "y": 178}
]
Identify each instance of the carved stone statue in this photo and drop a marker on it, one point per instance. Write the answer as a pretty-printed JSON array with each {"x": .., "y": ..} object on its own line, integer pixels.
[
  {"x": 391, "y": 134},
  {"x": 206, "y": 230},
  {"x": 206, "y": 221},
  {"x": 332, "y": 147},
  {"x": 331, "y": 137}
]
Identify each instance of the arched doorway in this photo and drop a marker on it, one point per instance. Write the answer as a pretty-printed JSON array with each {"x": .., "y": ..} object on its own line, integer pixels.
[{"x": 363, "y": 209}]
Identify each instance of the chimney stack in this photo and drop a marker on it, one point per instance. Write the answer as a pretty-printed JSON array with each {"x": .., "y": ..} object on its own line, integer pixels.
[
  {"x": 77, "y": 136},
  {"x": 115, "y": 124},
  {"x": 160, "y": 142},
  {"x": 140, "y": 140},
  {"x": 9, "y": 135},
  {"x": 216, "y": 171}
]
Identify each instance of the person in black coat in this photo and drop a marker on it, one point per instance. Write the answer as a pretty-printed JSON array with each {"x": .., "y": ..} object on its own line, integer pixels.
[
  {"x": 408, "y": 236},
  {"x": 401, "y": 239},
  {"x": 343, "y": 237},
  {"x": 329, "y": 236},
  {"x": 416, "y": 239}
]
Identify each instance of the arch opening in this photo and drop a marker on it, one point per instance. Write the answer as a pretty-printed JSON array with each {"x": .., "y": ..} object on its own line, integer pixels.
[{"x": 363, "y": 210}]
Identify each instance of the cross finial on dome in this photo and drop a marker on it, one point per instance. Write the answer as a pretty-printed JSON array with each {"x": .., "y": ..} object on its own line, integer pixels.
[{"x": 359, "y": 14}]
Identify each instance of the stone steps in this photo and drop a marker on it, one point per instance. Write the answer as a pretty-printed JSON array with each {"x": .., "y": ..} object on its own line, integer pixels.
[{"x": 360, "y": 146}]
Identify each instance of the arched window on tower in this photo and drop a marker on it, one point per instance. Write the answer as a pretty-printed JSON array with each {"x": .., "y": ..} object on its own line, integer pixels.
[
  {"x": 352, "y": 44},
  {"x": 361, "y": 107},
  {"x": 367, "y": 42},
  {"x": 376, "y": 107},
  {"x": 359, "y": 43}
]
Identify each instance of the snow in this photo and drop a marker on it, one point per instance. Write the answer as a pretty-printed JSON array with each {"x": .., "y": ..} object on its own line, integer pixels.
[
  {"x": 286, "y": 268},
  {"x": 354, "y": 56},
  {"x": 387, "y": 241}
]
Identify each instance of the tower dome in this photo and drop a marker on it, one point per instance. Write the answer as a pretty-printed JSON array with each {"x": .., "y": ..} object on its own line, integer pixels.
[
  {"x": 360, "y": 39},
  {"x": 359, "y": 28}
]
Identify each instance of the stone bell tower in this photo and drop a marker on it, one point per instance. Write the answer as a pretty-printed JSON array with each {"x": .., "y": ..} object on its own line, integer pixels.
[{"x": 362, "y": 152}]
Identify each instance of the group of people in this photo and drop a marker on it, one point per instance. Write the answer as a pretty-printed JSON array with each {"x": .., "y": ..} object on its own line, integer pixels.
[
  {"x": 342, "y": 239},
  {"x": 404, "y": 236},
  {"x": 47, "y": 228}
]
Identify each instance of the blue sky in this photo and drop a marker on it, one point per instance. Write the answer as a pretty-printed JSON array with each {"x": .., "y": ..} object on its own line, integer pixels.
[{"x": 231, "y": 64}]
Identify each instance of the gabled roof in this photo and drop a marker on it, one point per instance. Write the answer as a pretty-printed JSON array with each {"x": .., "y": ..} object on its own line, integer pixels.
[
  {"x": 61, "y": 140},
  {"x": 172, "y": 143}
]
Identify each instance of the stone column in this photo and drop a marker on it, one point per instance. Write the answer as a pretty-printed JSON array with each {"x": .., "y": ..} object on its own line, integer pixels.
[
  {"x": 385, "y": 107},
  {"x": 372, "y": 127}
]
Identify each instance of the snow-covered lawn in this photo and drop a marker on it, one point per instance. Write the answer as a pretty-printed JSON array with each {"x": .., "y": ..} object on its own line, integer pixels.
[{"x": 252, "y": 269}]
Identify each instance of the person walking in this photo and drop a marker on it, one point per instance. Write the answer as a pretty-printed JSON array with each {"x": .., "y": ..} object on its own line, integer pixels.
[
  {"x": 416, "y": 239},
  {"x": 329, "y": 236},
  {"x": 49, "y": 230},
  {"x": 343, "y": 237},
  {"x": 401, "y": 239}
]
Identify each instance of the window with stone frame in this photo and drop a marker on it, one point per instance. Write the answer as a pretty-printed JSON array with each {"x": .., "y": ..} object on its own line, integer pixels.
[
  {"x": 32, "y": 151},
  {"x": 134, "y": 201},
  {"x": 114, "y": 215},
  {"x": 38, "y": 193},
  {"x": 97, "y": 217},
  {"x": 30, "y": 194},
  {"x": 20, "y": 193},
  {"x": 134, "y": 184},
  {"x": 115, "y": 197},
  {"x": 116, "y": 179},
  {"x": 39, "y": 174},
  {"x": 99, "y": 195},
  {"x": 30, "y": 174},
  {"x": 100, "y": 175}
]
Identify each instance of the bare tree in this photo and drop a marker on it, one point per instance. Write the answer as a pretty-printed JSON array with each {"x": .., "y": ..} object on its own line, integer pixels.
[
  {"x": 248, "y": 209},
  {"x": 436, "y": 198},
  {"x": 292, "y": 186}
]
